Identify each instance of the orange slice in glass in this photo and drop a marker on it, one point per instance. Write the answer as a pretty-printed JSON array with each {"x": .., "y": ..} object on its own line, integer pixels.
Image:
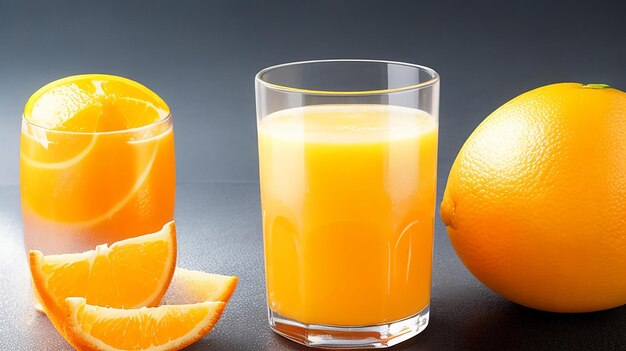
[
  {"x": 75, "y": 129},
  {"x": 94, "y": 103}
]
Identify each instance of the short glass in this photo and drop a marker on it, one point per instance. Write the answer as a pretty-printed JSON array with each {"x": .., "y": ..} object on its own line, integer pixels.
[
  {"x": 348, "y": 159},
  {"x": 82, "y": 189}
]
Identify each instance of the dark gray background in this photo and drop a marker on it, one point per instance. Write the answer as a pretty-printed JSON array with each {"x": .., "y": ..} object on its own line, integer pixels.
[{"x": 201, "y": 57}]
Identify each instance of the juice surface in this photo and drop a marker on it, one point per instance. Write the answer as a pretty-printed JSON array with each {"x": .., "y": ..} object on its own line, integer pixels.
[
  {"x": 81, "y": 188},
  {"x": 348, "y": 197}
]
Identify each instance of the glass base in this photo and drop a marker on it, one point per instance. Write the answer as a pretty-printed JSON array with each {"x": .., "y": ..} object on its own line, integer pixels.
[{"x": 331, "y": 336}]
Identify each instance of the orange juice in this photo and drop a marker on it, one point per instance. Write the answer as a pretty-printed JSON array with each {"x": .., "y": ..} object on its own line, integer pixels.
[
  {"x": 348, "y": 197},
  {"x": 96, "y": 164}
]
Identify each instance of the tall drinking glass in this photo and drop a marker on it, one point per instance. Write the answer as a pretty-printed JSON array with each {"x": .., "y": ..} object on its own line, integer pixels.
[
  {"x": 348, "y": 156},
  {"x": 96, "y": 166}
]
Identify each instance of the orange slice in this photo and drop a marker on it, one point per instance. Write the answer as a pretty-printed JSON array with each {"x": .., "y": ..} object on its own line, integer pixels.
[
  {"x": 129, "y": 274},
  {"x": 190, "y": 286},
  {"x": 75, "y": 129},
  {"x": 163, "y": 328},
  {"x": 94, "y": 103}
]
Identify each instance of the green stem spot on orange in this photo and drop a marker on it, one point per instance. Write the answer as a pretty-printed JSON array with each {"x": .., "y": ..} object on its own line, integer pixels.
[{"x": 596, "y": 86}]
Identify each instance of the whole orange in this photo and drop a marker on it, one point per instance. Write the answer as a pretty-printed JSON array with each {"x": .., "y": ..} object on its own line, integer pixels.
[{"x": 535, "y": 203}]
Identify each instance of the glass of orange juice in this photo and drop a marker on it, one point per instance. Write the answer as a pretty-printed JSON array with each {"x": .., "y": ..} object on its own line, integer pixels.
[
  {"x": 96, "y": 165},
  {"x": 348, "y": 159}
]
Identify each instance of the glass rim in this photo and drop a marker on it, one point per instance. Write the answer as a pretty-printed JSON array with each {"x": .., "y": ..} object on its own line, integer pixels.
[
  {"x": 290, "y": 89},
  {"x": 164, "y": 120}
]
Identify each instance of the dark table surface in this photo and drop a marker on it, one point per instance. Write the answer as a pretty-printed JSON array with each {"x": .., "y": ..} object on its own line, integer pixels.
[{"x": 219, "y": 230}]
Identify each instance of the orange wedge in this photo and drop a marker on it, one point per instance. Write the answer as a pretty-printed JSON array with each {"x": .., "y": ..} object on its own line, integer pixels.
[
  {"x": 189, "y": 286},
  {"x": 131, "y": 273},
  {"x": 163, "y": 328}
]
